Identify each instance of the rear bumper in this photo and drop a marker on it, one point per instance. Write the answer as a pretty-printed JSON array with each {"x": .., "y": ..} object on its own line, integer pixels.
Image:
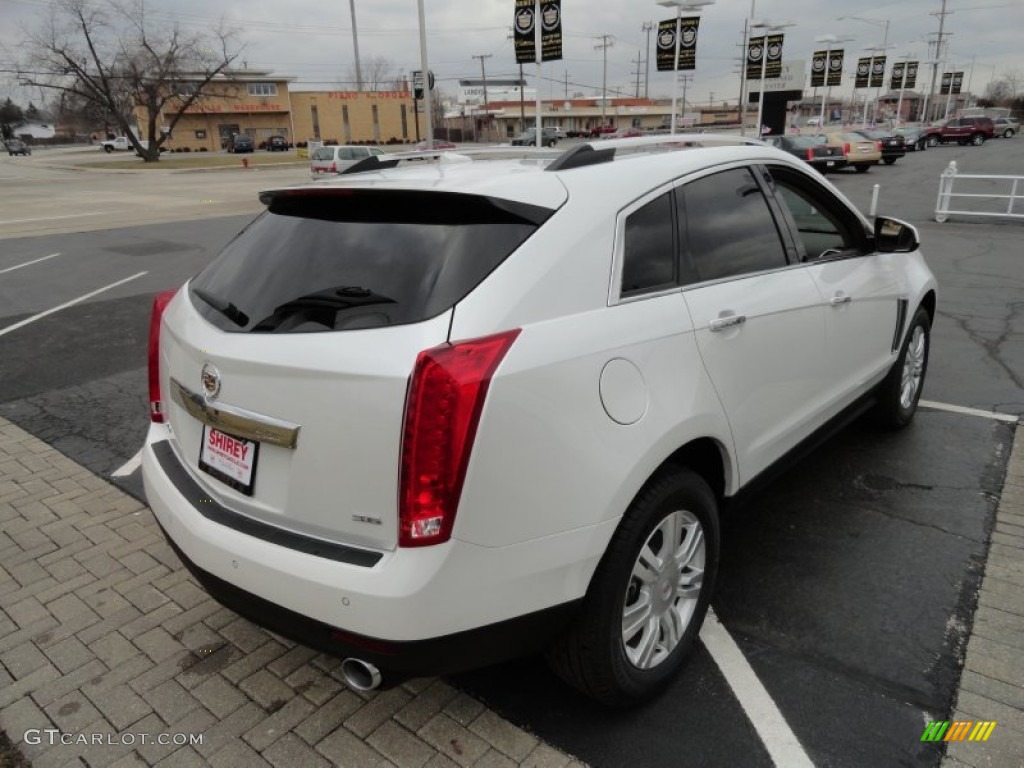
[
  {"x": 421, "y": 610},
  {"x": 446, "y": 654}
]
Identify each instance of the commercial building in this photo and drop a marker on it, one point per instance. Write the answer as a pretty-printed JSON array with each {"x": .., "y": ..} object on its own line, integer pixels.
[
  {"x": 254, "y": 102},
  {"x": 357, "y": 117},
  {"x": 262, "y": 104}
]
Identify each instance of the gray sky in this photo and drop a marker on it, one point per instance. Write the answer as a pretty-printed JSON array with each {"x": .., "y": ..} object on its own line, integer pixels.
[{"x": 312, "y": 39}]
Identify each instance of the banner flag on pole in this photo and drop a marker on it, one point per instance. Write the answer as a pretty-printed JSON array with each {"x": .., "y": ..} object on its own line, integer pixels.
[
  {"x": 666, "y": 42},
  {"x": 835, "y": 67},
  {"x": 774, "y": 50},
  {"x": 819, "y": 63},
  {"x": 911, "y": 81},
  {"x": 755, "y": 51},
  {"x": 863, "y": 73},
  {"x": 878, "y": 71},
  {"x": 958, "y": 81},
  {"x": 896, "y": 81},
  {"x": 947, "y": 82},
  {"x": 551, "y": 31}
]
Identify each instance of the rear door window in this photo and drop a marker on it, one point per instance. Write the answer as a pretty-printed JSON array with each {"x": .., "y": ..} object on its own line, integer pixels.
[
  {"x": 337, "y": 260},
  {"x": 728, "y": 227}
]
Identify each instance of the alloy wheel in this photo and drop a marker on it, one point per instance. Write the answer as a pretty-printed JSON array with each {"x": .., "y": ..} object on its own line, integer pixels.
[
  {"x": 663, "y": 589},
  {"x": 913, "y": 367}
]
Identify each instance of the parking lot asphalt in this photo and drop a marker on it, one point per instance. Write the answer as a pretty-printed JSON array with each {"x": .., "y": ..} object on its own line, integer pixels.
[{"x": 850, "y": 584}]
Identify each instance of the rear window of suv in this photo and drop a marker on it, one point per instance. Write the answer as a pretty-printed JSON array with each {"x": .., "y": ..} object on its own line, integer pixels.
[{"x": 341, "y": 259}]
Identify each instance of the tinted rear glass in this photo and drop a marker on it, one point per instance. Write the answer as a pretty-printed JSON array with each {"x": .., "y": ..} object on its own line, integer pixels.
[{"x": 344, "y": 260}]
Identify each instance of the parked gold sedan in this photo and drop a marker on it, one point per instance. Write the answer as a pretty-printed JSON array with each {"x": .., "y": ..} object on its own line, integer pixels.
[{"x": 860, "y": 152}]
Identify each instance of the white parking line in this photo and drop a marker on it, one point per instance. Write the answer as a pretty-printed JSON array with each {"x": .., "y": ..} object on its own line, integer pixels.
[
  {"x": 1007, "y": 417},
  {"x": 28, "y": 263},
  {"x": 782, "y": 744},
  {"x": 50, "y": 218},
  {"x": 129, "y": 466},
  {"x": 67, "y": 304}
]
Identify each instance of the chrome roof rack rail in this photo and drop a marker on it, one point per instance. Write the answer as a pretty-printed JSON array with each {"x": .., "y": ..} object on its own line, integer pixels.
[{"x": 605, "y": 150}]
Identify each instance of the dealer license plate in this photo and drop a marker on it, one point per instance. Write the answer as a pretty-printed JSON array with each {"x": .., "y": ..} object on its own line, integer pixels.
[{"x": 230, "y": 459}]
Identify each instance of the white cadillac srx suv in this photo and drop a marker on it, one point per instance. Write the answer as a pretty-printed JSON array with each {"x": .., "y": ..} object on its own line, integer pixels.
[{"x": 430, "y": 415}]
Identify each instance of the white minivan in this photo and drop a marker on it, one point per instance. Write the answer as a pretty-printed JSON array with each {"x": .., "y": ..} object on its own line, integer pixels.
[{"x": 326, "y": 160}]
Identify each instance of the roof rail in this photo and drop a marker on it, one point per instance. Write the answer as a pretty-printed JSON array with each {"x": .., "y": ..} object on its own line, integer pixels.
[
  {"x": 580, "y": 155},
  {"x": 604, "y": 150},
  {"x": 675, "y": 140}
]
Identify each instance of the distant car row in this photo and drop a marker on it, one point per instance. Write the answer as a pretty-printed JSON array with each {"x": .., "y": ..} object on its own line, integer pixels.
[{"x": 833, "y": 151}]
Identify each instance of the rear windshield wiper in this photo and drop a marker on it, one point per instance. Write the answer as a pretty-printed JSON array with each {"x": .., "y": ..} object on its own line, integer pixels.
[
  {"x": 324, "y": 305},
  {"x": 226, "y": 308}
]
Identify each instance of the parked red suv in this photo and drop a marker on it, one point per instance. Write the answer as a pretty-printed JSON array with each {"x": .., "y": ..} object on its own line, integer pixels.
[{"x": 962, "y": 130}]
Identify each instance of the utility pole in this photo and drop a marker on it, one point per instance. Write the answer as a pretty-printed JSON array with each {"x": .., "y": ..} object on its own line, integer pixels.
[
  {"x": 743, "y": 73},
  {"x": 483, "y": 73},
  {"x": 647, "y": 27},
  {"x": 638, "y": 61},
  {"x": 603, "y": 46},
  {"x": 938, "y": 54},
  {"x": 355, "y": 46}
]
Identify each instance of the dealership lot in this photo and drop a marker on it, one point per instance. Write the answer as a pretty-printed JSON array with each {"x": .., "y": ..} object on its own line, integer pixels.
[{"x": 849, "y": 584}]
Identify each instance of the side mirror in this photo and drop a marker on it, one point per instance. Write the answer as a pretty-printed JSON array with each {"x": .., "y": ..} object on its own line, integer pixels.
[{"x": 895, "y": 236}]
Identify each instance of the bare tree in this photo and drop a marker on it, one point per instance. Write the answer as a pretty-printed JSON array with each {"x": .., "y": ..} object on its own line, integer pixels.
[
  {"x": 101, "y": 53},
  {"x": 378, "y": 72}
]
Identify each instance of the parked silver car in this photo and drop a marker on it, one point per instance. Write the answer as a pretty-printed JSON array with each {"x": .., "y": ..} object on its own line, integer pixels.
[{"x": 335, "y": 159}]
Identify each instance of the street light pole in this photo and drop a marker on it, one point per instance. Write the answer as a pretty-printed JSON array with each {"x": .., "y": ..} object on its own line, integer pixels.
[
  {"x": 829, "y": 40},
  {"x": 355, "y": 46},
  {"x": 689, "y": 6},
  {"x": 766, "y": 26},
  {"x": 603, "y": 46},
  {"x": 426, "y": 76},
  {"x": 483, "y": 74},
  {"x": 647, "y": 27},
  {"x": 883, "y": 48}
]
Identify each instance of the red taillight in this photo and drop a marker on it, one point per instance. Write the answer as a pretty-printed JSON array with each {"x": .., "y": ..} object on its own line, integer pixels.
[
  {"x": 334, "y": 167},
  {"x": 156, "y": 407},
  {"x": 810, "y": 154},
  {"x": 879, "y": 145},
  {"x": 446, "y": 397},
  {"x": 846, "y": 148}
]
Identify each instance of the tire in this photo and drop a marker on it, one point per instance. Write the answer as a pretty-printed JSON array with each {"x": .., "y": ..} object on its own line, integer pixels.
[
  {"x": 862, "y": 167},
  {"x": 899, "y": 393},
  {"x": 977, "y": 139},
  {"x": 888, "y": 160},
  {"x": 922, "y": 144},
  {"x": 108, "y": 149},
  {"x": 596, "y": 656},
  {"x": 552, "y": 143},
  {"x": 933, "y": 141},
  {"x": 1008, "y": 133}
]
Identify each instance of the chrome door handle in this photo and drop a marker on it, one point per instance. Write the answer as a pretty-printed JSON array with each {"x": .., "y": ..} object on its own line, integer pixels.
[
  {"x": 838, "y": 300},
  {"x": 721, "y": 323}
]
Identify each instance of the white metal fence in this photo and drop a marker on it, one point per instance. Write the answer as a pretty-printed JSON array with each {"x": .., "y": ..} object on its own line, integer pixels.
[{"x": 986, "y": 190}]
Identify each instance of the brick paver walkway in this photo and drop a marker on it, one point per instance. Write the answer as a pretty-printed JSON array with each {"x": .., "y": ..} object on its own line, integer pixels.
[
  {"x": 992, "y": 683},
  {"x": 103, "y": 634}
]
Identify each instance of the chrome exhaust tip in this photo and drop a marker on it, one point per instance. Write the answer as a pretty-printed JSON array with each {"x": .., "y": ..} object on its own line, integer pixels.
[{"x": 360, "y": 675}]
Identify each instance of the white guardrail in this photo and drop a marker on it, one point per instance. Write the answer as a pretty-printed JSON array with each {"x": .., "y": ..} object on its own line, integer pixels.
[{"x": 994, "y": 182}]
